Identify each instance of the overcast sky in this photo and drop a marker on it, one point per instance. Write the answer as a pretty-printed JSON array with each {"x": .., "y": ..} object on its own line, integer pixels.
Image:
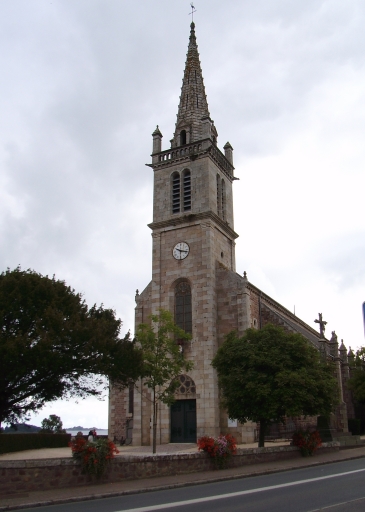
[{"x": 84, "y": 84}]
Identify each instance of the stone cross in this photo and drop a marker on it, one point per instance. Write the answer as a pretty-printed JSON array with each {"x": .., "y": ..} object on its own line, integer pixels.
[{"x": 322, "y": 324}]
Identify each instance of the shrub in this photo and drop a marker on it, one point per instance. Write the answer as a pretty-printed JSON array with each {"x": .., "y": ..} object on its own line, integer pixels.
[
  {"x": 307, "y": 441},
  {"x": 220, "y": 448},
  {"x": 94, "y": 457}
]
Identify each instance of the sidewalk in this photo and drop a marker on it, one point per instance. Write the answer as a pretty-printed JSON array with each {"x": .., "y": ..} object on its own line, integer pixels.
[
  {"x": 96, "y": 491},
  {"x": 164, "y": 449}
]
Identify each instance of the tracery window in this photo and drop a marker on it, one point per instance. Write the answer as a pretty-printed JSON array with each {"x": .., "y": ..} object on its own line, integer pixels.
[
  {"x": 186, "y": 385},
  {"x": 183, "y": 309}
]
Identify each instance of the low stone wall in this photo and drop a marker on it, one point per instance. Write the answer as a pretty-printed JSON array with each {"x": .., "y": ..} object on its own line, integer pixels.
[{"x": 31, "y": 475}]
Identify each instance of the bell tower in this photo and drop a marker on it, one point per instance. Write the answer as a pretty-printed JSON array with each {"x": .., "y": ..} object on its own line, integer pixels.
[{"x": 192, "y": 234}]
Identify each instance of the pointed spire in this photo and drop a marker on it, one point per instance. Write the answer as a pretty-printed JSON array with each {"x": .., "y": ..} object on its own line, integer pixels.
[{"x": 193, "y": 121}]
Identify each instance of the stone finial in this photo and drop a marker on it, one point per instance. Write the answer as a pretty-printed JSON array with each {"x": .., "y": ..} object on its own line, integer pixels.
[
  {"x": 342, "y": 347},
  {"x": 157, "y": 132},
  {"x": 157, "y": 137},
  {"x": 334, "y": 337},
  {"x": 192, "y": 38},
  {"x": 137, "y": 295},
  {"x": 334, "y": 344},
  {"x": 351, "y": 356},
  {"x": 245, "y": 276},
  {"x": 228, "y": 152}
]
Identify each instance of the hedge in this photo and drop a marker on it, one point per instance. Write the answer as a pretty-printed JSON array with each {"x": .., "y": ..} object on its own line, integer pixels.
[{"x": 18, "y": 442}]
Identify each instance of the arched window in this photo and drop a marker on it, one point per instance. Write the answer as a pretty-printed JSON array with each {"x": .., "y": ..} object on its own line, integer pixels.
[
  {"x": 182, "y": 137},
  {"x": 187, "y": 190},
  {"x": 176, "y": 192},
  {"x": 183, "y": 316}
]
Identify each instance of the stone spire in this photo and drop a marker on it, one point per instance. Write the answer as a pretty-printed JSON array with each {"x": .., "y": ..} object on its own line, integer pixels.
[{"x": 193, "y": 121}]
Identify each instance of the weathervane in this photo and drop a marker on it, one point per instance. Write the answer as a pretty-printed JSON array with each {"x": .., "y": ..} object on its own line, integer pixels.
[{"x": 192, "y": 12}]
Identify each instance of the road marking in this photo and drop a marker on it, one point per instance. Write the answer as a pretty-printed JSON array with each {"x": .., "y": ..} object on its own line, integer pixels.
[
  {"x": 328, "y": 507},
  {"x": 234, "y": 494}
]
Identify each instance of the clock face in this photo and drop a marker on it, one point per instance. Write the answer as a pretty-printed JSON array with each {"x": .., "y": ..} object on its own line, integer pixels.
[{"x": 180, "y": 251}]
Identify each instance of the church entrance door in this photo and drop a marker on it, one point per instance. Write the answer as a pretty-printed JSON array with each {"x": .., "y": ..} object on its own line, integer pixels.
[{"x": 183, "y": 421}]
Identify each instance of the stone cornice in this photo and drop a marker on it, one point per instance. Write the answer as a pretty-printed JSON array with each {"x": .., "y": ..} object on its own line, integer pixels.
[
  {"x": 194, "y": 218},
  {"x": 193, "y": 151}
]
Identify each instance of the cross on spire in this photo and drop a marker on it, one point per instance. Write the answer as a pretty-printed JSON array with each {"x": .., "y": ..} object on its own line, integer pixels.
[{"x": 192, "y": 12}]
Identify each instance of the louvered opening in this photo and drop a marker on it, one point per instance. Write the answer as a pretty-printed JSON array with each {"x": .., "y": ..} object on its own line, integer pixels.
[
  {"x": 187, "y": 191},
  {"x": 176, "y": 192}
]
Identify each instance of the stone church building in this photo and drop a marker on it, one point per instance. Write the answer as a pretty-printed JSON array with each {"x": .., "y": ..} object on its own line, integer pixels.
[{"x": 194, "y": 277}]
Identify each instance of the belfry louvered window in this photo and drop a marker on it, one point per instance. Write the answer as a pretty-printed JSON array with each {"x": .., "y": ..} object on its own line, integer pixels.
[
  {"x": 181, "y": 191},
  {"x": 176, "y": 192},
  {"x": 187, "y": 190},
  {"x": 221, "y": 198},
  {"x": 223, "y": 192},
  {"x": 183, "y": 307}
]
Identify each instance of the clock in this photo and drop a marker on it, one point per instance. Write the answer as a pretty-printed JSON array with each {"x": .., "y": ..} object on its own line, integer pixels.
[{"x": 180, "y": 251}]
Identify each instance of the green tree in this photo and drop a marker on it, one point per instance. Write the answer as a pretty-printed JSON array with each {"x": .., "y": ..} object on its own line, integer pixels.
[
  {"x": 357, "y": 380},
  {"x": 53, "y": 346},
  {"x": 163, "y": 361},
  {"x": 52, "y": 425},
  {"x": 269, "y": 374}
]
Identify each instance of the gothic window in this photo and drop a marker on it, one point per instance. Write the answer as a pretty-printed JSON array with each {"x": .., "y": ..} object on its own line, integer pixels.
[
  {"x": 187, "y": 190},
  {"x": 183, "y": 132},
  {"x": 175, "y": 192},
  {"x": 183, "y": 312}
]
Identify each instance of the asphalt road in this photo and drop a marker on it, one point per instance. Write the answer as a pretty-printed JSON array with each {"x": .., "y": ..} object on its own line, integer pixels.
[{"x": 338, "y": 487}]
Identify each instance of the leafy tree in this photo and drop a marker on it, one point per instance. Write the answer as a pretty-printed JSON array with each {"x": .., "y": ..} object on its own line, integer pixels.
[
  {"x": 269, "y": 374},
  {"x": 52, "y": 425},
  {"x": 357, "y": 381},
  {"x": 53, "y": 346},
  {"x": 163, "y": 360}
]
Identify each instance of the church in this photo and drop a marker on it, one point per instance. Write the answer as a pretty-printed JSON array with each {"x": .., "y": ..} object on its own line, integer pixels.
[{"x": 194, "y": 277}]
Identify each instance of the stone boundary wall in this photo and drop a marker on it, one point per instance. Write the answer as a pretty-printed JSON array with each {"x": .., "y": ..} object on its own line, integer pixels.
[{"x": 18, "y": 476}]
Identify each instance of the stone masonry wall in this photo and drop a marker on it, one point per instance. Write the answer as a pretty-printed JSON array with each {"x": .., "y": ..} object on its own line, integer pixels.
[{"x": 33, "y": 475}]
